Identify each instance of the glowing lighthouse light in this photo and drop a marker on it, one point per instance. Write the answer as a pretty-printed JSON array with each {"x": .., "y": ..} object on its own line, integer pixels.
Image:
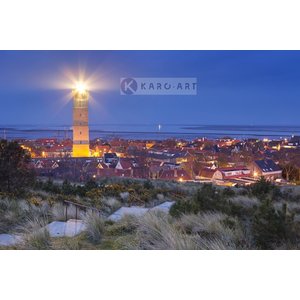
[
  {"x": 81, "y": 141},
  {"x": 80, "y": 87}
]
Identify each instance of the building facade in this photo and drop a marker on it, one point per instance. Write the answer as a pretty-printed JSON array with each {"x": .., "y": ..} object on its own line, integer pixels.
[
  {"x": 266, "y": 168},
  {"x": 81, "y": 141}
]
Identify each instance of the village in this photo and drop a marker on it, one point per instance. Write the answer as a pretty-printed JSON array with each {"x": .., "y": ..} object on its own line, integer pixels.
[{"x": 225, "y": 161}]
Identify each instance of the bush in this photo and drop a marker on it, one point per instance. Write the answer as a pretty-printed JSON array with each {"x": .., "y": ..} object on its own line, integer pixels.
[
  {"x": 67, "y": 188},
  {"x": 228, "y": 192},
  {"x": 262, "y": 188},
  {"x": 208, "y": 198},
  {"x": 272, "y": 228}
]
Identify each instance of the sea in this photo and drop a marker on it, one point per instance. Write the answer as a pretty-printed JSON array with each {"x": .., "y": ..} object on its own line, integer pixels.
[{"x": 152, "y": 131}]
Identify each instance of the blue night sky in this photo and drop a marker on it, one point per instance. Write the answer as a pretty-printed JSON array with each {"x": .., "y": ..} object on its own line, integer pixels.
[{"x": 234, "y": 87}]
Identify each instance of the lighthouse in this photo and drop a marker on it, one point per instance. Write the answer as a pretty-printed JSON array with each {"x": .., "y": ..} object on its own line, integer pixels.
[{"x": 81, "y": 141}]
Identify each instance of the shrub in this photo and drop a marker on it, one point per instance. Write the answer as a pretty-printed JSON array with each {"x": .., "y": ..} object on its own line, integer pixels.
[
  {"x": 208, "y": 198},
  {"x": 148, "y": 185},
  {"x": 271, "y": 227},
  {"x": 228, "y": 192},
  {"x": 67, "y": 188},
  {"x": 262, "y": 188},
  {"x": 182, "y": 206}
]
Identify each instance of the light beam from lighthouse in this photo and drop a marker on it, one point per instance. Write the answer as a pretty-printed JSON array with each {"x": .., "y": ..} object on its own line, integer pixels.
[{"x": 81, "y": 141}]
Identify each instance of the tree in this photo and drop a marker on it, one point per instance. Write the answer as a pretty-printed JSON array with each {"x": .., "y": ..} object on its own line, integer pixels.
[
  {"x": 271, "y": 227},
  {"x": 15, "y": 171},
  {"x": 91, "y": 184},
  {"x": 290, "y": 172},
  {"x": 67, "y": 188}
]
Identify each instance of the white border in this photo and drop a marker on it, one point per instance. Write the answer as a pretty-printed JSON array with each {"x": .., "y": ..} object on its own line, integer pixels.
[
  {"x": 155, "y": 24},
  {"x": 149, "y": 275}
]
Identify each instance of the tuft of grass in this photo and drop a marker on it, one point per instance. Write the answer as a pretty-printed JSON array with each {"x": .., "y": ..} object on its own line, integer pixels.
[
  {"x": 12, "y": 214},
  {"x": 212, "y": 225},
  {"x": 127, "y": 225},
  {"x": 68, "y": 243},
  {"x": 34, "y": 234},
  {"x": 124, "y": 196},
  {"x": 37, "y": 240},
  {"x": 111, "y": 204},
  {"x": 214, "y": 244},
  {"x": 156, "y": 232},
  {"x": 94, "y": 227}
]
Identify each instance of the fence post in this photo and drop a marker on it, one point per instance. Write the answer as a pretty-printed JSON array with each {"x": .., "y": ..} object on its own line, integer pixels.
[{"x": 66, "y": 212}]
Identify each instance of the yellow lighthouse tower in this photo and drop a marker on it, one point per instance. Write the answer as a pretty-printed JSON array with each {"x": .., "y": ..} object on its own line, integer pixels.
[{"x": 81, "y": 141}]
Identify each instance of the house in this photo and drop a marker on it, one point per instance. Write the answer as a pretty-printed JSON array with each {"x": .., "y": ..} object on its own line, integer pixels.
[
  {"x": 171, "y": 156},
  {"x": 266, "y": 168},
  {"x": 228, "y": 176},
  {"x": 45, "y": 167},
  {"x": 154, "y": 169},
  {"x": 178, "y": 175},
  {"x": 169, "y": 166},
  {"x": 45, "y": 164},
  {"x": 57, "y": 151},
  {"x": 230, "y": 173},
  {"x": 106, "y": 172},
  {"x": 126, "y": 164},
  {"x": 110, "y": 158},
  {"x": 207, "y": 173},
  {"x": 91, "y": 166},
  {"x": 294, "y": 141},
  {"x": 46, "y": 142}
]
